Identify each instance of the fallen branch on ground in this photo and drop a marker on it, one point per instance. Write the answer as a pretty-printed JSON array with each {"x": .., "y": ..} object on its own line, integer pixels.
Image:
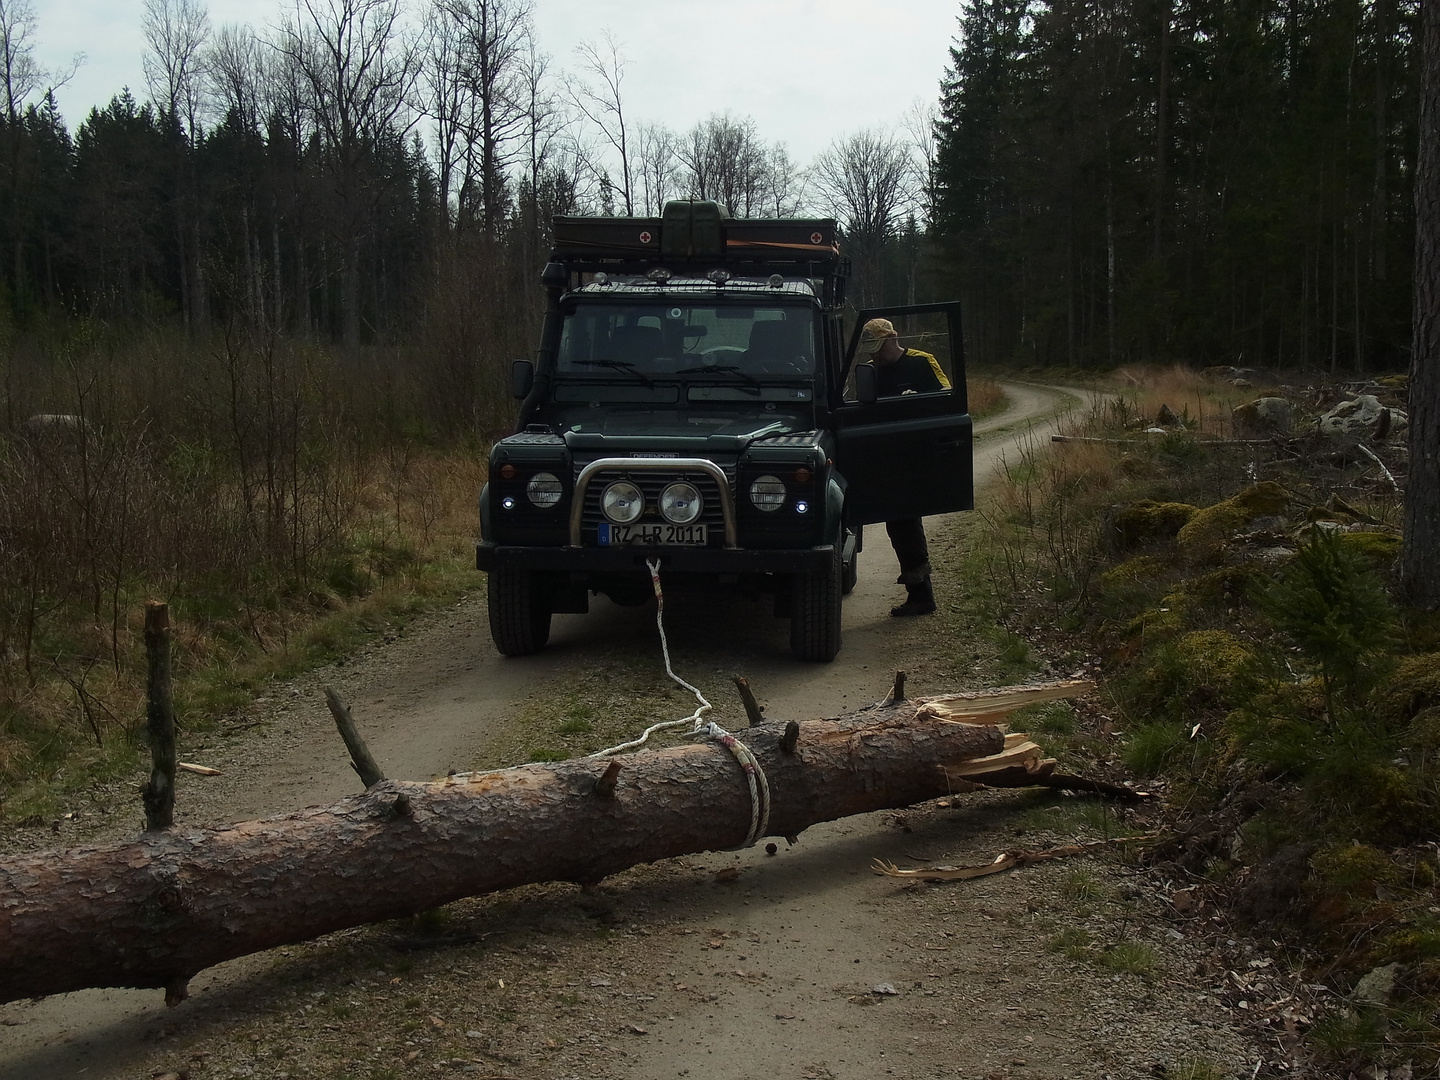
[{"x": 1007, "y": 860}]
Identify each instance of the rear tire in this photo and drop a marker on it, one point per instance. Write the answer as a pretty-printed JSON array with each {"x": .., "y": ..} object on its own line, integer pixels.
[
  {"x": 815, "y": 612},
  {"x": 519, "y": 612}
]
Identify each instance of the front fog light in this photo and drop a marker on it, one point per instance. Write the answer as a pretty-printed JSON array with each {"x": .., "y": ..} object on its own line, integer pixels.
[
  {"x": 801, "y": 506},
  {"x": 622, "y": 502},
  {"x": 508, "y": 502},
  {"x": 768, "y": 493},
  {"x": 680, "y": 503},
  {"x": 544, "y": 490}
]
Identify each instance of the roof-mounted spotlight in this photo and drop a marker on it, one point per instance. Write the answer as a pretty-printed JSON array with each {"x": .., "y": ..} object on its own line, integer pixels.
[
  {"x": 776, "y": 281},
  {"x": 659, "y": 275},
  {"x": 719, "y": 275}
]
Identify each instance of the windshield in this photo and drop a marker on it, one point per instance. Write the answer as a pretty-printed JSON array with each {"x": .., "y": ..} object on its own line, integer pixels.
[{"x": 648, "y": 340}]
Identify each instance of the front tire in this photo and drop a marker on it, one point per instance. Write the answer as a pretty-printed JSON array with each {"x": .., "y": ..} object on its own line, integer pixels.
[
  {"x": 815, "y": 612},
  {"x": 519, "y": 612}
]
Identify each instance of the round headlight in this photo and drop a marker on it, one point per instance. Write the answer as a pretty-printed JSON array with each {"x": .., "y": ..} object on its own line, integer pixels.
[
  {"x": 680, "y": 503},
  {"x": 544, "y": 490},
  {"x": 622, "y": 502},
  {"x": 768, "y": 493}
]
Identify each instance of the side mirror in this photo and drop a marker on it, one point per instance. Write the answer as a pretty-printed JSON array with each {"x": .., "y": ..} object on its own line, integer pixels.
[
  {"x": 867, "y": 389},
  {"x": 522, "y": 378}
]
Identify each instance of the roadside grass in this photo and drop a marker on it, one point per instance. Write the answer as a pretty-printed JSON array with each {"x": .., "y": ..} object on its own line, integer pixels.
[
  {"x": 985, "y": 396},
  {"x": 78, "y": 720},
  {"x": 1238, "y": 600}
]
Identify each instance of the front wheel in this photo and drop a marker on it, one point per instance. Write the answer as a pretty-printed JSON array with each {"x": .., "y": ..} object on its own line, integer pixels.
[
  {"x": 519, "y": 612},
  {"x": 815, "y": 612}
]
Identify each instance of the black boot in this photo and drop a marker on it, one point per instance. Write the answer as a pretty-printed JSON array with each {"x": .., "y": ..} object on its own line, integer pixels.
[
  {"x": 921, "y": 600},
  {"x": 919, "y": 576}
]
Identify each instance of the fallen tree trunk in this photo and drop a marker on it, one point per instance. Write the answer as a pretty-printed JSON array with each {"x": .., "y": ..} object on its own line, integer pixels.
[{"x": 155, "y": 911}]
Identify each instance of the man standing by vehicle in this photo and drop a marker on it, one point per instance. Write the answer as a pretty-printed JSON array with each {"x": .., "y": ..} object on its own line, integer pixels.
[{"x": 898, "y": 371}]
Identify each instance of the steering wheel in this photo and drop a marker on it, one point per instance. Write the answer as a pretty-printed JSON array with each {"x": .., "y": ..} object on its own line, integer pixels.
[{"x": 720, "y": 354}]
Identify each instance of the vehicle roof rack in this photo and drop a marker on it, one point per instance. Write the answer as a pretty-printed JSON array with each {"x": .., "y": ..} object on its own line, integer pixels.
[{"x": 694, "y": 233}]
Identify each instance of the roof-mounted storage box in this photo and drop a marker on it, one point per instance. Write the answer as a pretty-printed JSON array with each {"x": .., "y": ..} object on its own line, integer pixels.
[
  {"x": 593, "y": 239},
  {"x": 802, "y": 240}
]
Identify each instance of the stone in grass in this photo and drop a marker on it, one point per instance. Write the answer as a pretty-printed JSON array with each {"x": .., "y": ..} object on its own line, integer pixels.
[
  {"x": 1376, "y": 987},
  {"x": 1264, "y": 416},
  {"x": 1362, "y": 417}
]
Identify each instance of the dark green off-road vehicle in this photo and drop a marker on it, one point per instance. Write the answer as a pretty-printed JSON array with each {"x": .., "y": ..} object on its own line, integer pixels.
[{"x": 688, "y": 403}]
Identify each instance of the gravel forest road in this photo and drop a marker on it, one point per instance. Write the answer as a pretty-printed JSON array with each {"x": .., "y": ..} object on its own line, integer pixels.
[{"x": 804, "y": 965}]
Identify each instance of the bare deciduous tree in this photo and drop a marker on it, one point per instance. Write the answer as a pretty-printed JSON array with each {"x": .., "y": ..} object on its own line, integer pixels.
[
  {"x": 867, "y": 181},
  {"x": 357, "y": 66},
  {"x": 785, "y": 183},
  {"x": 22, "y": 73},
  {"x": 236, "y": 75},
  {"x": 477, "y": 97},
  {"x": 604, "y": 106},
  {"x": 919, "y": 121},
  {"x": 175, "y": 36},
  {"x": 724, "y": 160},
  {"x": 655, "y": 162}
]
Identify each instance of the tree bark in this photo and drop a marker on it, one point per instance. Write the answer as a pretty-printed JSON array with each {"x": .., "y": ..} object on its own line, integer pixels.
[
  {"x": 155, "y": 911},
  {"x": 159, "y": 793},
  {"x": 1420, "y": 556}
]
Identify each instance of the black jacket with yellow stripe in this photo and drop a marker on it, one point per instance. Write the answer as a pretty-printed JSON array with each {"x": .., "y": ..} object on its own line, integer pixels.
[{"x": 916, "y": 370}]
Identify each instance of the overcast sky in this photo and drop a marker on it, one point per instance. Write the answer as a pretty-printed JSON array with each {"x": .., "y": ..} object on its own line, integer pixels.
[{"x": 808, "y": 71}]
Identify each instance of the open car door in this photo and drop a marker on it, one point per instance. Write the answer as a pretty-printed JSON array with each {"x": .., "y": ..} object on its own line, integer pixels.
[{"x": 910, "y": 456}]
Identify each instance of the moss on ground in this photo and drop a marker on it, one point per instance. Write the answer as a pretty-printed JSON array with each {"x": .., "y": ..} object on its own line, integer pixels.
[{"x": 1207, "y": 531}]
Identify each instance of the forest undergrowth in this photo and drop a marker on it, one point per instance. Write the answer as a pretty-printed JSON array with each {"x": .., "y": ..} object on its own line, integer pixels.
[
  {"x": 1235, "y": 598},
  {"x": 287, "y": 500}
]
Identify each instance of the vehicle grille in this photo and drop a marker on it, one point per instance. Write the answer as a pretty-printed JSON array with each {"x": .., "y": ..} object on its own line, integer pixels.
[{"x": 652, "y": 483}]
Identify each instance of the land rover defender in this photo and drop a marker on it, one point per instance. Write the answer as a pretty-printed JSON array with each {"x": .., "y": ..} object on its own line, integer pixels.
[{"x": 694, "y": 400}]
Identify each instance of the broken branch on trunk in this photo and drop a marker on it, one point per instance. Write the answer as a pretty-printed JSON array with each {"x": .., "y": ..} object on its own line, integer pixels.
[
  {"x": 155, "y": 911},
  {"x": 753, "y": 713},
  {"x": 360, "y": 760}
]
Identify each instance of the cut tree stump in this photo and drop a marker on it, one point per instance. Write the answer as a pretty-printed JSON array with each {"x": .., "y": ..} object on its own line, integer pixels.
[{"x": 155, "y": 911}]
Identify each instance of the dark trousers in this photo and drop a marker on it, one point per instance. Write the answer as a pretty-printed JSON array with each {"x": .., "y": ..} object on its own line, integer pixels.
[{"x": 908, "y": 539}]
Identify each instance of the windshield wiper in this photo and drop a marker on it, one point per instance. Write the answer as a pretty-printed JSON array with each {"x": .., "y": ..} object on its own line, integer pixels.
[
  {"x": 720, "y": 369},
  {"x": 616, "y": 365}
]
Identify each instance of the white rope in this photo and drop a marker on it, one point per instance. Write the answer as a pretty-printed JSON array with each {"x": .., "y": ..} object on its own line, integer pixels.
[
  {"x": 694, "y": 718},
  {"x": 754, "y": 776},
  {"x": 706, "y": 729}
]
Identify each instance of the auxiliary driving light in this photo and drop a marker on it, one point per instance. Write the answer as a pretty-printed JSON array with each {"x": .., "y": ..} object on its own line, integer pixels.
[
  {"x": 622, "y": 502},
  {"x": 680, "y": 503},
  {"x": 801, "y": 506},
  {"x": 508, "y": 502}
]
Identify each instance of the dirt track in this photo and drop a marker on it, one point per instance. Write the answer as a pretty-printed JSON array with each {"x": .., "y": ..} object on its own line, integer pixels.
[{"x": 768, "y": 976}]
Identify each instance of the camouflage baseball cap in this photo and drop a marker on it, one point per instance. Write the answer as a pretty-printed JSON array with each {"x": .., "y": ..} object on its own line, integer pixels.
[{"x": 873, "y": 335}]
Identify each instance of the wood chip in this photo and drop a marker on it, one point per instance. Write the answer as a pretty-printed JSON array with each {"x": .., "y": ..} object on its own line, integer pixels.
[{"x": 198, "y": 770}]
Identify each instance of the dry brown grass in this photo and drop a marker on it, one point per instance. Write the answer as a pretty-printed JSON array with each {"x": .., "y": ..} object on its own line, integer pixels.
[
  {"x": 986, "y": 396},
  {"x": 1203, "y": 403}
]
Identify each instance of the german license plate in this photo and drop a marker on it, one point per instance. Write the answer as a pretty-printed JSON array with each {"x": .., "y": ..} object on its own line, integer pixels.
[{"x": 653, "y": 533}]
